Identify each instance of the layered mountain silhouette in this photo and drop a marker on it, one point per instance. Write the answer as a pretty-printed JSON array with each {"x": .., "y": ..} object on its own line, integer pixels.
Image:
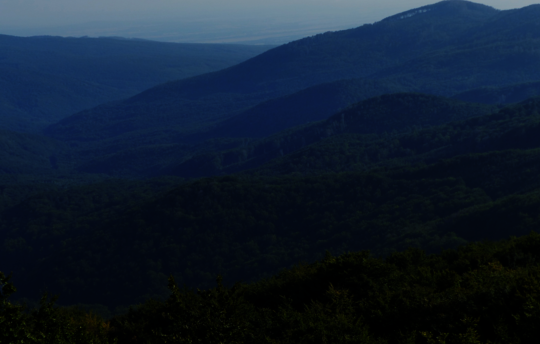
[
  {"x": 442, "y": 49},
  {"x": 362, "y": 52},
  {"x": 44, "y": 79},
  {"x": 421, "y": 130}
]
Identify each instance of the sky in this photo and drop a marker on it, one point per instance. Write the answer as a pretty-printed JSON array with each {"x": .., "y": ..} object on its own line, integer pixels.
[{"x": 126, "y": 17}]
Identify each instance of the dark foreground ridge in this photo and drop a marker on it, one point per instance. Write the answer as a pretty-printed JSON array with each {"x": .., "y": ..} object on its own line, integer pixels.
[{"x": 480, "y": 293}]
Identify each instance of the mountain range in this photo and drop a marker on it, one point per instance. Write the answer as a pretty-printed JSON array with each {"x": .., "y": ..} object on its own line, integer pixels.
[
  {"x": 44, "y": 79},
  {"x": 443, "y": 49},
  {"x": 420, "y": 130}
]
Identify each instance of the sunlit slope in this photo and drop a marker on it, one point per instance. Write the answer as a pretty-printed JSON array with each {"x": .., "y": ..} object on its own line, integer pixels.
[
  {"x": 192, "y": 104},
  {"x": 44, "y": 79}
]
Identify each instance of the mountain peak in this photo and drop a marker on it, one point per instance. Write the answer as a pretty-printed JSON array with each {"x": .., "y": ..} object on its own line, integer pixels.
[{"x": 447, "y": 8}]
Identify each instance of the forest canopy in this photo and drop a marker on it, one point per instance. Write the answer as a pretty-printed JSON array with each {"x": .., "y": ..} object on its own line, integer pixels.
[{"x": 480, "y": 293}]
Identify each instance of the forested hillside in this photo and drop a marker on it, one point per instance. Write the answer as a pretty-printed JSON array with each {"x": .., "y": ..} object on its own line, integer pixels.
[
  {"x": 513, "y": 127},
  {"x": 247, "y": 228}
]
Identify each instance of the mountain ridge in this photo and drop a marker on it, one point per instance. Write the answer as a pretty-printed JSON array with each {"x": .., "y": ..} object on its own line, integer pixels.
[{"x": 325, "y": 57}]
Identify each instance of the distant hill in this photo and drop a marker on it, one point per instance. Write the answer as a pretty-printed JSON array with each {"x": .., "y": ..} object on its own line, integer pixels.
[
  {"x": 44, "y": 79},
  {"x": 32, "y": 100},
  {"x": 501, "y": 95}
]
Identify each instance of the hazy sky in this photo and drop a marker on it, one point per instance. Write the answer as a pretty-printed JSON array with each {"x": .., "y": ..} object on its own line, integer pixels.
[
  {"x": 59, "y": 12},
  {"x": 331, "y": 14}
]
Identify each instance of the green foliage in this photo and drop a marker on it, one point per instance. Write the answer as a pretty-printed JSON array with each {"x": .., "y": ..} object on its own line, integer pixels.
[
  {"x": 475, "y": 294},
  {"x": 217, "y": 315},
  {"x": 47, "y": 324},
  {"x": 12, "y": 320},
  {"x": 479, "y": 293},
  {"x": 334, "y": 320}
]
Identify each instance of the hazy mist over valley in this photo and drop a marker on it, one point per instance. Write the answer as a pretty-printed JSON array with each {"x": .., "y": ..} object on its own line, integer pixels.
[{"x": 253, "y": 172}]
